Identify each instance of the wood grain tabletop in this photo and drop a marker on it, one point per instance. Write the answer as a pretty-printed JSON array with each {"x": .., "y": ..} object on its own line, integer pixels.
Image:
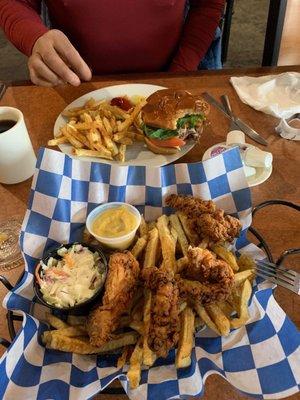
[{"x": 280, "y": 226}]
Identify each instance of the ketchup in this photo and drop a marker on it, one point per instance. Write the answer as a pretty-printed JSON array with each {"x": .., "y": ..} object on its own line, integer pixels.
[{"x": 121, "y": 102}]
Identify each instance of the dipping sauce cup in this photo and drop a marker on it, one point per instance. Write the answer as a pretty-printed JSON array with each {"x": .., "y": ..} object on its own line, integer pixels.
[{"x": 117, "y": 242}]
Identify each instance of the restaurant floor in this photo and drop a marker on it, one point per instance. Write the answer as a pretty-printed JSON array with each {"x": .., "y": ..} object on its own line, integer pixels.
[{"x": 245, "y": 48}]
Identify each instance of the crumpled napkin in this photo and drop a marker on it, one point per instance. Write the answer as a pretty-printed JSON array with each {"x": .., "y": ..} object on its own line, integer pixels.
[{"x": 277, "y": 95}]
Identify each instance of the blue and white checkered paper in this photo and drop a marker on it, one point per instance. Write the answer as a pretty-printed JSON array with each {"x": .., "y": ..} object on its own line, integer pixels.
[{"x": 261, "y": 359}]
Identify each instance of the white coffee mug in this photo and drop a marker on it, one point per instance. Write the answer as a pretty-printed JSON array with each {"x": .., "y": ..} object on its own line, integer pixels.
[{"x": 17, "y": 158}]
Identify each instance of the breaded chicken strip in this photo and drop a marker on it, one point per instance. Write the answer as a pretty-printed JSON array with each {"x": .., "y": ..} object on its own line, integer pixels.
[
  {"x": 205, "y": 220},
  {"x": 207, "y": 279},
  {"x": 192, "y": 207},
  {"x": 120, "y": 287},
  {"x": 164, "y": 323}
]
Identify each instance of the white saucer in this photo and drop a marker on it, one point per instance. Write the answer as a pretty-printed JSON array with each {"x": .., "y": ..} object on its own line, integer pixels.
[{"x": 261, "y": 175}]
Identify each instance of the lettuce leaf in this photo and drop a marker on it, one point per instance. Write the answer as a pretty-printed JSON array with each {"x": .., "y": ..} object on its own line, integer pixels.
[
  {"x": 163, "y": 134},
  {"x": 190, "y": 120},
  {"x": 160, "y": 134}
]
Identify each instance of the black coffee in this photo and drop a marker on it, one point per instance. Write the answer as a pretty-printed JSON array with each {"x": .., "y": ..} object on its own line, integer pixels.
[{"x": 6, "y": 124}]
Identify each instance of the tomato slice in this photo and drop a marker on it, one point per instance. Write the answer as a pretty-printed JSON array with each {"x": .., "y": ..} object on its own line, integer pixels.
[{"x": 172, "y": 142}]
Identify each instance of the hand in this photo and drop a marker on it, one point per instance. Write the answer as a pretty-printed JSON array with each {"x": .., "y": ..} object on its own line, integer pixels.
[{"x": 54, "y": 60}]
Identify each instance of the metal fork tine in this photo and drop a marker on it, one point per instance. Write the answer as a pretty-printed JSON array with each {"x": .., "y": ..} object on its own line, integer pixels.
[
  {"x": 287, "y": 271},
  {"x": 274, "y": 280},
  {"x": 275, "y": 272},
  {"x": 279, "y": 278}
]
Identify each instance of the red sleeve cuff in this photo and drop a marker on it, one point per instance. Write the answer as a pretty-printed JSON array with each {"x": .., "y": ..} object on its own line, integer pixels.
[{"x": 28, "y": 36}]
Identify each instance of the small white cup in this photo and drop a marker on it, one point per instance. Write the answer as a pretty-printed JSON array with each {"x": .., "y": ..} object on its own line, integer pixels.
[
  {"x": 235, "y": 138},
  {"x": 17, "y": 158},
  {"x": 121, "y": 242}
]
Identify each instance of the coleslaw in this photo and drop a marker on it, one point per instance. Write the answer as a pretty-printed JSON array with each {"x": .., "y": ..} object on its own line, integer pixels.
[{"x": 71, "y": 278}]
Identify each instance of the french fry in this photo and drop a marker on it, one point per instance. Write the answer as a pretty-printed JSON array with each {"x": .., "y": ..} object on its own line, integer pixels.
[
  {"x": 151, "y": 225},
  {"x": 134, "y": 371},
  {"x": 75, "y": 320},
  {"x": 121, "y": 156},
  {"x": 92, "y": 153},
  {"x": 57, "y": 141},
  {"x": 72, "y": 331},
  {"x": 143, "y": 228},
  {"x": 123, "y": 357},
  {"x": 123, "y": 140},
  {"x": 111, "y": 146},
  {"x": 139, "y": 246},
  {"x": 56, "y": 322},
  {"x": 186, "y": 339},
  {"x": 174, "y": 236},
  {"x": 148, "y": 355},
  {"x": 219, "y": 318},
  {"x": 192, "y": 236},
  {"x": 240, "y": 277},
  {"x": 167, "y": 244},
  {"x": 243, "y": 313},
  {"x": 77, "y": 135},
  {"x": 226, "y": 308},
  {"x": 81, "y": 344},
  {"x": 226, "y": 255},
  {"x": 245, "y": 262},
  {"x": 137, "y": 326},
  {"x": 72, "y": 140},
  {"x": 199, "y": 324},
  {"x": 126, "y": 124},
  {"x": 181, "y": 264},
  {"x": 137, "y": 311},
  {"x": 151, "y": 248},
  {"x": 182, "y": 239},
  {"x": 182, "y": 306},
  {"x": 200, "y": 310},
  {"x": 107, "y": 126}
]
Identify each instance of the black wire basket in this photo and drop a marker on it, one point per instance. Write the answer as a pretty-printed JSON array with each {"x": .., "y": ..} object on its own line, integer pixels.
[{"x": 12, "y": 317}]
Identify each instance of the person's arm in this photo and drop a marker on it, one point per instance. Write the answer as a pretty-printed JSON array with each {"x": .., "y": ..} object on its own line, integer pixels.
[
  {"x": 52, "y": 58},
  {"x": 198, "y": 33},
  {"x": 21, "y": 23}
]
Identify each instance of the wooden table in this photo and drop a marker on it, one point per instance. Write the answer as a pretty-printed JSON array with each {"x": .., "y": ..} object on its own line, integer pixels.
[{"x": 280, "y": 226}]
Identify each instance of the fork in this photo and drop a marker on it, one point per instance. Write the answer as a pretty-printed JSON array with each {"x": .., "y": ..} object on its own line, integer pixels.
[
  {"x": 2, "y": 89},
  {"x": 286, "y": 278}
]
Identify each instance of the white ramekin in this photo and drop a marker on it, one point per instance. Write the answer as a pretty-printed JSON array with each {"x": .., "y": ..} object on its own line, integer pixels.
[{"x": 122, "y": 242}]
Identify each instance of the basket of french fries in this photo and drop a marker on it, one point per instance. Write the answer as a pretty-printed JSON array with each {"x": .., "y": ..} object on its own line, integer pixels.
[{"x": 181, "y": 303}]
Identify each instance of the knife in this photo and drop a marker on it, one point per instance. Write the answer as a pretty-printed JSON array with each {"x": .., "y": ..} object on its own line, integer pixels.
[
  {"x": 238, "y": 122},
  {"x": 226, "y": 104}
]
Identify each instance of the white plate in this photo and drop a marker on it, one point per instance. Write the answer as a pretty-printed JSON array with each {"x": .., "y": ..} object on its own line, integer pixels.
[
  {"x": 138, "y": 153},
  {"x": 260, "y": 176}
]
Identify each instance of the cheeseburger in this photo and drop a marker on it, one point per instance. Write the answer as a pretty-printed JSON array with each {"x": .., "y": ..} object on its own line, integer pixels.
[{"x": 170, "y": 117}]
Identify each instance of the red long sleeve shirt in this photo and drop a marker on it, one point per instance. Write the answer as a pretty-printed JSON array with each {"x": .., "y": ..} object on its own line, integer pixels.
[{"x": 115, "y": 36}]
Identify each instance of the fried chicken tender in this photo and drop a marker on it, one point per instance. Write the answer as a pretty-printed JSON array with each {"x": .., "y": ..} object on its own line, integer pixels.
[
  {"x": 208, "y": 279},
  {"x": 120, "y": 287},
  {"x": 192, "y": 207},
  {"x": 217, "y": 226},
  {"x": 205, "y": 219},
  {"x": 164, "y": 323}
]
